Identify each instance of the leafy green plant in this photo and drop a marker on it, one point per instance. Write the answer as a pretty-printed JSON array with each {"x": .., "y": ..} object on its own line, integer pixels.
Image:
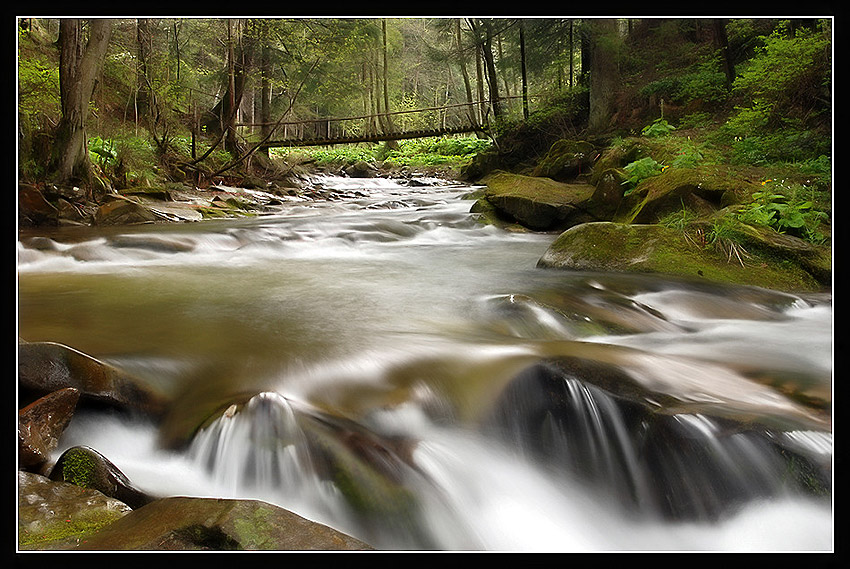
[
  {"x": 688, "y": 156},
  {"x": 785, "y": 213},
  {"x": 659, "y": 127},
  {"x": 640, "y": 170}
]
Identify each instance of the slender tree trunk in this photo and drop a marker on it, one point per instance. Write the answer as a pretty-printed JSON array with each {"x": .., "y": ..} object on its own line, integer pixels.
[
  {"x": 78, "y": 69},
  {"x": 462, "y": 63},
  {"x": 388, "y": 123},
  {"x": 722, "y": 43},
  {"x": 603, "y": 73},
  {"x": 522, "y": 67},
  {"x": 485, "y": 39},
  {"x": 572, "y": 48}
]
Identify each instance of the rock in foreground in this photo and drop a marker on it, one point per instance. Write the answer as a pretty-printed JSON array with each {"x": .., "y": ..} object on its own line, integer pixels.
[{"x": 182, "y": 523}]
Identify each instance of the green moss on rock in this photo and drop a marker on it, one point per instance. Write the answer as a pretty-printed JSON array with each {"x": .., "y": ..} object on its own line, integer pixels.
[{"x": 607, "y": 246}]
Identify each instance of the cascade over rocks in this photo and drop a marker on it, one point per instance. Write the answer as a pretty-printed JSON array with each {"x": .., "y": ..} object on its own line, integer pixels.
[{"x": 598, "y": 422}]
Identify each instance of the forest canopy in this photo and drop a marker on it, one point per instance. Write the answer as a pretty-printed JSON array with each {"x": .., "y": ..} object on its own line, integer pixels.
[{"x": 202, "y": 92}]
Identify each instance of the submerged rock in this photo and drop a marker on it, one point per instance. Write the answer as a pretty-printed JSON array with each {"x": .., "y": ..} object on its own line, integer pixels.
[{"x": 649, "y": 443}]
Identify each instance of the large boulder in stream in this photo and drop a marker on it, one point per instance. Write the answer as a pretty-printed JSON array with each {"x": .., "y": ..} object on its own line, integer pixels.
[
  {"x": 785, "y": 263},
  {"x": 59, "y": 515},
  {"x": 538, "y": 203},
  {"x": 45, "y": 367}
]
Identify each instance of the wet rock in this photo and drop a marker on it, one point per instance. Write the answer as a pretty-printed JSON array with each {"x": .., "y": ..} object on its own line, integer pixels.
[
  {"x": 58, "y": 515},
  {"x": 360, "y": 169},
  {"x": 85, "y": 467},
  {"x": 41, "y": 423},
  {"x": 33, "y": 207},
  {"x": 608, "y": 195},
  {"x": 153, "y": 192},
  {"x": 44, "y": 367},
  {"x": 180, "y": 523},
  {"x": 121, "y": 210}
]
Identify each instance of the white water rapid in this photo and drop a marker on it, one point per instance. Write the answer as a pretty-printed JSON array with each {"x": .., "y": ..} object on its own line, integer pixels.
[{"x": 389, "y": 336}]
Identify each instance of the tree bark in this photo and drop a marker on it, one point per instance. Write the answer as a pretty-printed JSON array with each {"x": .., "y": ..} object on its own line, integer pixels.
[
  {"x": 522, "y": 68},
  {"x": 485, "y": 40},
  {"x": 604, "y": 76},
  {"x": 462, "y": 62},
  {"x": 721, "y": 42},
  {"x": 79, "y": 66}
]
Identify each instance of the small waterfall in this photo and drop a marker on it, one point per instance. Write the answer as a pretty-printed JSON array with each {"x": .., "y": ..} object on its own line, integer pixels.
[
  {"x": 260, "y": 446},
  {"x": 685, "y": 466}
]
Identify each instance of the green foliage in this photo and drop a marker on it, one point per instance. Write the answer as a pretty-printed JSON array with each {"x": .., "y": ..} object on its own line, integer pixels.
[
  {"x": 659, "y": 127},
  {"x": 707, "y": 84},
  {"x": 785, "y": 208},
  {"x": 787, "y": 73},
  {"x": 688, "y": 156},
  {"x": 695, "y": 120},
  {"x": 38, "y": 90},
  {"x": 679, "y": 219},
  {"x": 437, "y": 151},
  {"x": 640, "y": 170}
]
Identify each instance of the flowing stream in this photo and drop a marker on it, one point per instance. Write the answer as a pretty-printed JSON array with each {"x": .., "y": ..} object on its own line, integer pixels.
[{"x": 390, "y": 321}]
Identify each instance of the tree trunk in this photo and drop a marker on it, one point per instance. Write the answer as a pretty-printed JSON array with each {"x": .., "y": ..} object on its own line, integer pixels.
[
  {"x": 522, "y": 68},
  {"x": 78, "y": 70},
  {"x": 721, "y": 42},
  {"x": 603, "y": 73},
  {"x": 485, "y": 40},
  {"x": 462, "y": 62}
]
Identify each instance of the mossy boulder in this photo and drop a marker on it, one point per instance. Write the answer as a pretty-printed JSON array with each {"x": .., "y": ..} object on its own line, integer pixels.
[
  {"x": 609, "y": 246},
  {"x": 84, "y": 466},
  {"x": 702, "y": 189},
  {"x": 195, "y": 524},
  {"x": 539, "y": 203},
  {"x": 566, "y": 160},
  {"x": 59, "y": 515}
]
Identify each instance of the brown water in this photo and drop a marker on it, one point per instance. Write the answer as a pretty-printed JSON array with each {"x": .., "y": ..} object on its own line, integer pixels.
[{"x": 392, "y": 308}]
